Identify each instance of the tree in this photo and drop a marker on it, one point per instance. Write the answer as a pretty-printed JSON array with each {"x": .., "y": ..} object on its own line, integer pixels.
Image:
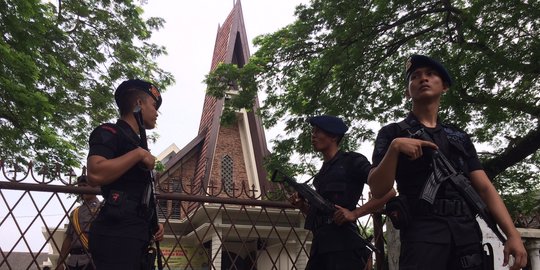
[
  {"x": 348, "y": 58},
  {"x": 60, "y": 65}
]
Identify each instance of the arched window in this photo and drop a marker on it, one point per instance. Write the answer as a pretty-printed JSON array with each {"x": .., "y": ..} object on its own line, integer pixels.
[{"x": 227, "y": 173}]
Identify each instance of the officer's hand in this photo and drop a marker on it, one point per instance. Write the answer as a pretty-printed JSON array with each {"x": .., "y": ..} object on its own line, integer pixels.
[
  {"x": 60, "y": 267},
  {"x": 514, "y": 246},
  {"x": 298, "y": 202},
  {"x": 343, "y": 215},
  {"x": 158, "y": 236},
  {"x": 148, "y": 160},
  {"x": 411, "y": 147}
]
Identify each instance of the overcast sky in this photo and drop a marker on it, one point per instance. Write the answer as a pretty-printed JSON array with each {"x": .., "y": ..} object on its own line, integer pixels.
[{"x": 189, "y": 35}]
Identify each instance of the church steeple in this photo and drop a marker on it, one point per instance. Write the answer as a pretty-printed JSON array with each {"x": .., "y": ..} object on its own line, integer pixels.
[{"x": 229, "y": 155}]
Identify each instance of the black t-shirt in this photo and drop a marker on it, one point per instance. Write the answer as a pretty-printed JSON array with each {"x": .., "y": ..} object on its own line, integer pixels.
[
  {"x": 341, "y": 181},
  {"x": 411, "y": 176},
  {"x": 112, "y": 141}
]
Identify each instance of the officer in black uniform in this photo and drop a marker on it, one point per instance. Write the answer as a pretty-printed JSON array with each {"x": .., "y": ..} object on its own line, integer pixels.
[
  {"x": 119, "y": 236},
  {"x": 445, "y": 234},
  {"x": 336, "y": 244}
]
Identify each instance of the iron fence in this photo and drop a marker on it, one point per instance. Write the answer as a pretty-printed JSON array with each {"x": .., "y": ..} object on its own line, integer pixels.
[{"x": 205, "y": 227}]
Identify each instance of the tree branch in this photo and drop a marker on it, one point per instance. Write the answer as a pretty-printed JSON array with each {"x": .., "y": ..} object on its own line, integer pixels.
[
  {"x": 513, "y": 104},
  {"x": 394, "y": 46},
  {"x": 59, "y": 20},
  {"x": 513, "y": 154}
]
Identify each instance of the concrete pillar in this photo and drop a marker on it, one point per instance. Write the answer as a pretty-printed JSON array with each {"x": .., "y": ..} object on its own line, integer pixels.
[
  {"x": 393, "y": 245},
  {"x": 217, "y": 250},
  {"x": 533, "y": 251},
  {"x": 217, "y": 244},
  {"x": 532, "y": 244}
]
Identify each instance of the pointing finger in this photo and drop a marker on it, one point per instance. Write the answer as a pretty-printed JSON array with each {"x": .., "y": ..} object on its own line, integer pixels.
[{"x": 429, "y": 144}]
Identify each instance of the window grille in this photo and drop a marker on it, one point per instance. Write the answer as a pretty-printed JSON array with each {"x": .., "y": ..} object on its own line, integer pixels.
[{"x": 227, "y": 173}]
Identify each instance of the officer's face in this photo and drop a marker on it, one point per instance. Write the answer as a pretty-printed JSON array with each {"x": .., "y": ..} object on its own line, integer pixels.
[
  {"x": 321, "y": 140},
  {"x": 425, "y": 83},
  {"x": 149, "y": 112}
]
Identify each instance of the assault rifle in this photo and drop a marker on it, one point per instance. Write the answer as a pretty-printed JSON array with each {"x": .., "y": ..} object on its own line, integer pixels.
[
  {"x": 314, "y": 199},
  {"x": 311, "y": 196},
  {"x": 149, "y": 195},
  {"x": 443, "y": 171}
]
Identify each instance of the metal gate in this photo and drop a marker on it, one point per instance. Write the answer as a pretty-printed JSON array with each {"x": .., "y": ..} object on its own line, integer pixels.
[{"x": 203, "y": 230}]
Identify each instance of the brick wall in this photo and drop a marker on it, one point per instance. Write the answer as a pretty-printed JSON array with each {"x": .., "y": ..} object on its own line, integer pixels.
[{"x": 229, "y": 143}]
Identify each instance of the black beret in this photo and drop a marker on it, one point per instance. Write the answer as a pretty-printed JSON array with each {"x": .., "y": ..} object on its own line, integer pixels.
[
  {"x": 329, "y": 123},
  {"x": 418, "y": 61},
  {"x": 141, "y": 85}
]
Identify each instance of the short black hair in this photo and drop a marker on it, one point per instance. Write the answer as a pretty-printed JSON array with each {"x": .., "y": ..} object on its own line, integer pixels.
[
  {"x": 127, "y": 102},
  {"x": 141, "y": 85}
]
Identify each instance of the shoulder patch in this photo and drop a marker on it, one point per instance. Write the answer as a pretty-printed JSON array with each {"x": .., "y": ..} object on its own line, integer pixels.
[
  {"x": 105, "y": 133},
  {"x": 108, "y": 128}
]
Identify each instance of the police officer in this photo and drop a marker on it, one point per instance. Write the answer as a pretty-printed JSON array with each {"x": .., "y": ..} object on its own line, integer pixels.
[
  {"x": 336, "y": 244},
  {"x": 120, "y": 234},
  {"x": 445, "y": 234},
  {"x": 75, "y": 244}
]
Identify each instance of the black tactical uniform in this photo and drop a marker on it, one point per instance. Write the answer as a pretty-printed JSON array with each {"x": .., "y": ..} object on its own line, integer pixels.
[
  {"x": 120, "y": 226},
  {"x": 120, "y": 234},
  {"x": 448, "y": 225},
  {"x": 341, "y": 181}
]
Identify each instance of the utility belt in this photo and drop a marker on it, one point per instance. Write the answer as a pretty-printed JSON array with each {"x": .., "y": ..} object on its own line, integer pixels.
[
  {"x": 401, "y": 210},
  {"x": 315, "y": 220},
  {"x": 442, "y": 207},
  {"x": 119, "y": 205},
  {"x": 77, "y": 251},
  {"x": 322, "y": 220}
]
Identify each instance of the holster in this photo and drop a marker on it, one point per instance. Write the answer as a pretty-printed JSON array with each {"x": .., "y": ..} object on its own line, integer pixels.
[
  {"x": 148, "y": 261},
  {"x": 310, "y": 222},
  {"x": 488, "y": 258},
  {"x": 117, "y": 206},
  {"x": 398, "y": 210}
]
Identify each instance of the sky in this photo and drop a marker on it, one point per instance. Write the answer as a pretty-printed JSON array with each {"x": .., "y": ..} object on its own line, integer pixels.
[{"x": 189, "y": 36}]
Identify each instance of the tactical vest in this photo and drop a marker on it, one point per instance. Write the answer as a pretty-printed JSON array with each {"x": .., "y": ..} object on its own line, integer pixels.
[
  {"x": 456, "y": 140},
  {"x": 338, "y": 184}
]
